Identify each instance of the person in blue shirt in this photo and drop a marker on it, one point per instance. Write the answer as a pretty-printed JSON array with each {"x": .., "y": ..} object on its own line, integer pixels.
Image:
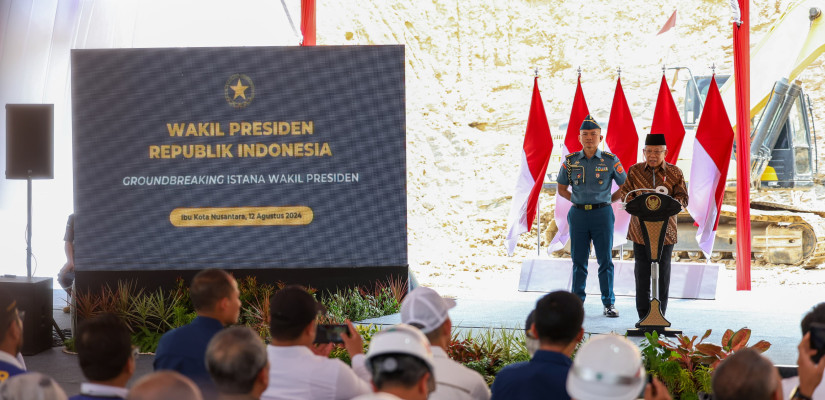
[
  {"x": 557, "y": 322},
  {"x": 216, "y": 299},
  {"x": 106, "y": 357},
  {"x": 585, "y": 179}
]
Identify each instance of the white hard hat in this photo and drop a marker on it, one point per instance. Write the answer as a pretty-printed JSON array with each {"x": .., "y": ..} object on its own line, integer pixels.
[
  {"x": 606, "y": 367},
  {"x": 401, "y": 339}
]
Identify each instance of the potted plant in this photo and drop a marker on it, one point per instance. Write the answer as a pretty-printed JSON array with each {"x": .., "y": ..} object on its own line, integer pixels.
[{"x": 685, "y": 365}]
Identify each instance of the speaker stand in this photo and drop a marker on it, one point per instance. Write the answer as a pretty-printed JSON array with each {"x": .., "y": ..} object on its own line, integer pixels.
[
  {"x": 29, "y": 226},
  {"x": 29, "y": 245}
]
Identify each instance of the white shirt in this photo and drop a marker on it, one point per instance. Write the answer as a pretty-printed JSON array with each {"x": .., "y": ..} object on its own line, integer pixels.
[
  {"x": 16, "y": 361},
  {"x": 455, "y": 381},
  {"x": 98, "y": 390},
  {"x": 378, "y": 396},
  {"x": 789, "y": 384},
  {"x": 295, "y": 373}
]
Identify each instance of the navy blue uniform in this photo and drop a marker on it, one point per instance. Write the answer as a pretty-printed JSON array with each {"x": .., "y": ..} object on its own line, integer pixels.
[
  {"x": 543, "y": 377},
  {"x": 184, "y": 350},
  {"x": 591, "y": 217},
  {"x": 7, "y": 370}
]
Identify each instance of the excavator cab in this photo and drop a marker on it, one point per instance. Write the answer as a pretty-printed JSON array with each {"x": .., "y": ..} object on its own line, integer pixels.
[{"x": 783, "y": 143}]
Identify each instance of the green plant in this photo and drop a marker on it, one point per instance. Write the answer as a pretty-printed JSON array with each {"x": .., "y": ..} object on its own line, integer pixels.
[
  {"x": 154, "y": 311},
  {"x": 685, "y": 365},
  {"x": 255, "y": 305},
  {"x": 146, "y": 340},
  {"x": 356, "y": 304},
  {"x": 149, "y": 314},
  {"x": 488, "y": 352}
]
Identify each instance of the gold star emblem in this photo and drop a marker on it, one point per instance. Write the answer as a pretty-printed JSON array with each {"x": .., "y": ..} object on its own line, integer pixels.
[{"x": 239, "y": 89}]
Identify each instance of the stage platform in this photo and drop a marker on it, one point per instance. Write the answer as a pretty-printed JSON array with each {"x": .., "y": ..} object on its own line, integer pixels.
[
  {"x": 688, "y": 280},
  {"x": 772, "y": 314}
]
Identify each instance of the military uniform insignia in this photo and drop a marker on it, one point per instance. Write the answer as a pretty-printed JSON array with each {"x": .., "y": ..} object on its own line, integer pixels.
[
  {"x": 600, "y": 182},
  {"x": 618, "y": 167},
  {"x": 609, "y": 154}
]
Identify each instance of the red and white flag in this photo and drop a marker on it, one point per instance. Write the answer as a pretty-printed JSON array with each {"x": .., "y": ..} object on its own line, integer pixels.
[
  {"x": 538, "y": 144},
  {"x": 671, "y": 22},
  {"x": 666, "y": 120},
  {"x": 623, "y": 141},
  {"x": 709, "y": 169},
  {"x": 571, "y": 144}
]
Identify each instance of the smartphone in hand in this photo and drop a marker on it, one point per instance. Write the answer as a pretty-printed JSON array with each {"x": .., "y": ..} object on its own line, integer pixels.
[
  {"x": 330, "y": 333},
  {"x": 818, "y": 340}
]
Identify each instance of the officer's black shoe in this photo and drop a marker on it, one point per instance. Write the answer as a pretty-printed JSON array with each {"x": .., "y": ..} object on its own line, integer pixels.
[{"x": 610, "y": 311}]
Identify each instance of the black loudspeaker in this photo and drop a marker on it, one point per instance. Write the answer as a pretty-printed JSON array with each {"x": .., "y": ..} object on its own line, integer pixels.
[
  {"x": 29, "y": 141},
  {"x": 34, "y": 296}
]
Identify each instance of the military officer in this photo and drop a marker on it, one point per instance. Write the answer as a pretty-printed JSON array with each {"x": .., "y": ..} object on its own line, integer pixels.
[{"x": 585, "y": 179}]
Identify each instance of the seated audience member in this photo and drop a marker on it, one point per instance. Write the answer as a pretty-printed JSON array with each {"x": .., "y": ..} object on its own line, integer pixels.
[
  {"x": 301, "y": 370},
  {"x": 401, "y": 362},
  {"x": 423, "y": 308},
  {"x": 215, "y": 297},
  {"x": 236, "y": 361},
  {"x": 106, "y": 357},
  {"x": 11, "y": 338},
  {"x": 610, "y": 367},
  {"x": 558, "y": 326},
  {"x": 806, "y": 368},
  {"x": 31, "y": 386},
  {"x": 164, "y": 385},
  {"x": 746, "y": 375}
]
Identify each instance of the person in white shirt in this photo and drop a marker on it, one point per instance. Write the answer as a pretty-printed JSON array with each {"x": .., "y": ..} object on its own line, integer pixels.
[
  {"x": 11, "y": 338},
  {"x": 425, "y": 309},
  {"x": 401, "y": 362},
  {"x": 300, "y": 370},
  {"x": 106, "y": 357}
]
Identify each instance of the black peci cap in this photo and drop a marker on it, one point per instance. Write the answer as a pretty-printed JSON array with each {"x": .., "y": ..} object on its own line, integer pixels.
[{"x": 655, "y": 139}]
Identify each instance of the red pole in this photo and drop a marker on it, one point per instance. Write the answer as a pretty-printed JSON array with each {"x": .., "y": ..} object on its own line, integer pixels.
[
  {"x": 741, "y": 62},
  {"x": 308, "y": 22}
]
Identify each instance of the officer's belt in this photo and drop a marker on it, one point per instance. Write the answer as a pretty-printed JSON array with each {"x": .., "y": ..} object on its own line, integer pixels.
[{"x": 590, "y": 206}]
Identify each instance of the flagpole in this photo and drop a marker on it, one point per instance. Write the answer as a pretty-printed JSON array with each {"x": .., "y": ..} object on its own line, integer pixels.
[{"x": 538, "y": 204}]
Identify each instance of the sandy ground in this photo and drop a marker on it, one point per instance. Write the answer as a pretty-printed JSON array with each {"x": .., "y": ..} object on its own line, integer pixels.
[{"x": 469, "y": 79}]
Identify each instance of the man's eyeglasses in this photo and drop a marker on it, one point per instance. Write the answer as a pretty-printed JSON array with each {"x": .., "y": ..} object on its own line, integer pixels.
[{"x": 656, "y": 152}]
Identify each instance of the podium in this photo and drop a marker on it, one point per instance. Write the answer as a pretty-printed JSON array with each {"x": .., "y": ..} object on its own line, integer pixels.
[{"x": 653, "y": 211}]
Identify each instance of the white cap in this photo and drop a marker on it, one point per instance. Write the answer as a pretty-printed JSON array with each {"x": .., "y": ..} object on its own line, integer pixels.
[
  {"x": 426, "y": 308},
  {"x": 401, "y": 339},
  {"x": 607, "y": 367}
]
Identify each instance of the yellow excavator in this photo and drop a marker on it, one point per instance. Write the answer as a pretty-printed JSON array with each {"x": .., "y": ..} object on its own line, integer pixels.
[{"x": 787, "y": 196}]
